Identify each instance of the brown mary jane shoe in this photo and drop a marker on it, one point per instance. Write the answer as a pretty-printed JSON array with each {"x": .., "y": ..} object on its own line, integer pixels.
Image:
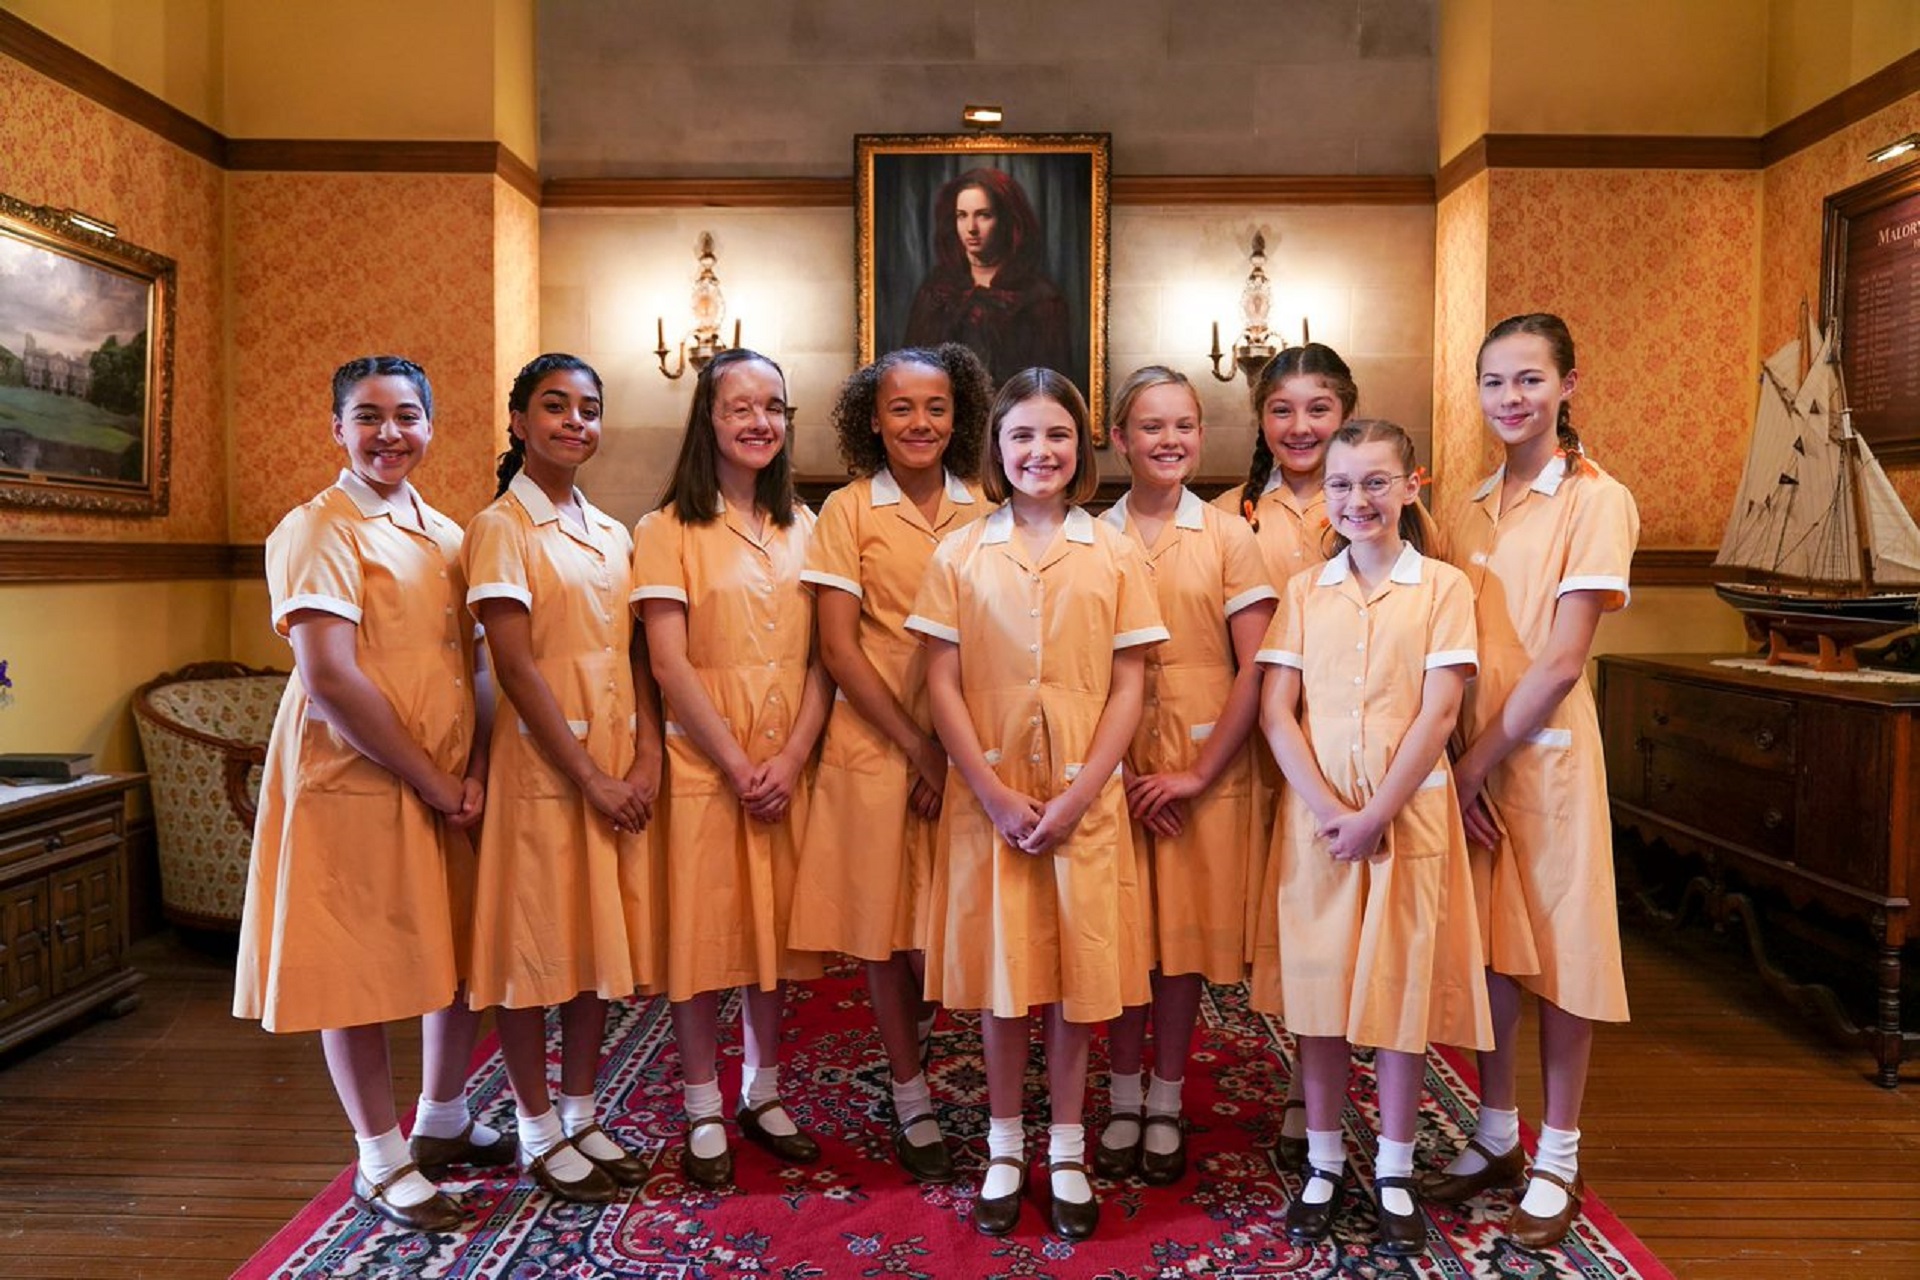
[
  {"x": 1404, "y": 1235},
  {"x": 795, "y": 1148},
  {"x": 1530, "y": 1232},
  {"x": 625, "y": 1169},
  {"x": 1163, "y": 1170},
  {"x": 931, "y": 1164},
  {"x": 711, "y": 1172},
  {"x": 1312, "y": 1223},
  {"x": 595, "y": 1188},
  {"x": 1116, "y": 1163},
  {"x": 996, "y": 1215},
  {"x": 437, "y": 1155},
  {"x": 1502, "y": 1173},
  {"x": 1071, "y": 1219},
  {"x": 436, "y": 1213}
]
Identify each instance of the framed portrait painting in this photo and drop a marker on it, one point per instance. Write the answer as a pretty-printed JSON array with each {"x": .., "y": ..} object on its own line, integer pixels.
[
  {"x": 995, "y": 241},
  {"x": 86, "y": 365}
]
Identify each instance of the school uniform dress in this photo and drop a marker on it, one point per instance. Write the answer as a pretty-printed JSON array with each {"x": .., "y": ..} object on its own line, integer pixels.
[
  {"x": 564, "y": 903},
  {"x": 730, "y": 879},
  {"x": 1007, "y": 930},
  {"x": 867, "y": 859},
  {"x": 1547, "y": 904},
  {"x": 357, "y": 892},
  {"x": 1205, "y": 567},
  {"x": 1293, "y": 537},
  {"x": 1385, "y": 952}
]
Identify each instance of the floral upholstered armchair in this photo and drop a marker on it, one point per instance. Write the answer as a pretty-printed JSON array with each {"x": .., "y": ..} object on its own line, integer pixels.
[{"x": 204, "y": 731}]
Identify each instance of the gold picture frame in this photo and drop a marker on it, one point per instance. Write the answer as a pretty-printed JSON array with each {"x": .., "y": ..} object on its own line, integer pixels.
[
  {"x": 86, "y": 365},
  {"x": 1025, "y": 283}
]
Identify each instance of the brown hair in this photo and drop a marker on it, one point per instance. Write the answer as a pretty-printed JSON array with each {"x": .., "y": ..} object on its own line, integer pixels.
[
  {"x": 520, "y": 399},
  {"x": 1040, "y": 384},
  {"x": 968, "y": 385},
  {"x": 694, "y": 489},
  {"x": 1559, "y": 339},
  {"x": 1143, "y": 379},
  {"x": 1416, "y": 525},
  {"x": 1313, "y": 360}
]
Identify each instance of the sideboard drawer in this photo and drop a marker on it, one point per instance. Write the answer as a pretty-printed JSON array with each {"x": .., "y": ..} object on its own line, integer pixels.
[
  {"x": 1747, "y": 729},
  {"x": 97, "y": 827},
  {"x": 1721, "y": 798}
]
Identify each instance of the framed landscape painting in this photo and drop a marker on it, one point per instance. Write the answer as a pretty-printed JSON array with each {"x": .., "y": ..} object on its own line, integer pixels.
[
  {"x": 86, "y": 365},
  {"x": 995, "y": 241}
]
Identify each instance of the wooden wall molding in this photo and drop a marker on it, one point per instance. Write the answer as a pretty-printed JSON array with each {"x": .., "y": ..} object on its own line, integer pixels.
[
  {"x": 1126, "y": 189},
  {"x": 1680, "y": 567},
  {"x": 696, "y": 193},
  {"x": 1896, "y": 80},
  {"x": 27, "y": 44},
  {"x": 31, "y": 560}
]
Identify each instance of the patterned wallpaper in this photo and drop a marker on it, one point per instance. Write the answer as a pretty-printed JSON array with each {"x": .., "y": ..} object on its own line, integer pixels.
[
  {"x": 67, "y": 151},
  {"x": 328, "y": 266},
  {"x": 1654, "y": 272},
  {"x": 1795, "y": 192},
  {"x": 1460, "y": 444},
  {"x": 516, "y": 312}
]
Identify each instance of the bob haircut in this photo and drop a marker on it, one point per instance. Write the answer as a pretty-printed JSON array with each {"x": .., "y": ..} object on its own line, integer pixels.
[
  {"x": 1041, "y": 384},
  {"x": 694, "y": 490}
]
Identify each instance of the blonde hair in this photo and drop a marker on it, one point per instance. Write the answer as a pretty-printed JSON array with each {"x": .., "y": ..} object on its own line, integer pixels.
[
  {"x": 1040, "y": 384},
  {"x": 1143, "y": 379}
]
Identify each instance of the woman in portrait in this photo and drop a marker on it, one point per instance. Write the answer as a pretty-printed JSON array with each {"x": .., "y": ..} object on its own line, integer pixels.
[{"x": 988, "y": 289}]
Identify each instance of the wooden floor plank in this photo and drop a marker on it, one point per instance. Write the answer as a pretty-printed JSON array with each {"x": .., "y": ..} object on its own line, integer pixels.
[{"x": 1730, "y": 1135}]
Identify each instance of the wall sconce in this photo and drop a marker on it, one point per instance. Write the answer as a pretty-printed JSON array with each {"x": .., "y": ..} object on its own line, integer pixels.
[
  {"x": 1895, "y": 149},
  {"x": 709, "y": 313},
  {"x": 981, "y": 116},
  {"x": 1256, "y": 345}
]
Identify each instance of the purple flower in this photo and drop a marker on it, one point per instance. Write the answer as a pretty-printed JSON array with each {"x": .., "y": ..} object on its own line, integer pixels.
[{"x": 5, "y": 683}]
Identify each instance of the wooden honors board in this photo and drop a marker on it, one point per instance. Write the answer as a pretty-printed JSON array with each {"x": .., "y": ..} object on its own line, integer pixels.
[{"x": 1871, "y": 284}]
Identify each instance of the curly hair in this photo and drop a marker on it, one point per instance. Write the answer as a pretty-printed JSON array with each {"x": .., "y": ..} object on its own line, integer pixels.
[{"x": 861, "y": 447}]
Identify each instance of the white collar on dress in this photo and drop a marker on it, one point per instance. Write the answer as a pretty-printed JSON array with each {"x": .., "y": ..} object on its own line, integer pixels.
[
  {"x": 540, "y": 507},
  {"x": 1190, "y": 514},
  {"x": 998, "y": 526},
  {"x": 885, "y": 491},
  {"x": 1547, "y": 482},
  {"x": 1405, "y": 571},
  {"x": 404, "y": 508}
]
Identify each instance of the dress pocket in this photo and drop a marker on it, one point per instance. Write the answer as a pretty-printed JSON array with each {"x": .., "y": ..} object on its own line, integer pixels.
[
  {"x": 537, "y": 777},
  {"x": 851, "y": 743},
  {"x": 1538, "y": 776},
  {"x": 328, "y": 762},
  {"x": 1423, "y": 829},
  {"x": 689, "y": 772}
]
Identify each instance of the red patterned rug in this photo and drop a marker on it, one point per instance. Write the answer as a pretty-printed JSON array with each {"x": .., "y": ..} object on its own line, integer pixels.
[{"x": 857, "y": 1215}]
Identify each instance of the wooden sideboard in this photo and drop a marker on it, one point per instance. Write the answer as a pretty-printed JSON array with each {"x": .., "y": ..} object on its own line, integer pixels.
[
  {"x": 63, "y": 905},
  {"x": 1800, "y": 786}
]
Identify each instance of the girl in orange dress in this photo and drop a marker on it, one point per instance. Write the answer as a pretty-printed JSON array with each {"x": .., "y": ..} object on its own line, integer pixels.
[
  {"x": 1547, "y": 541},
  {"x": 360, "y": 883},
  {"x": 1189, "y": 771},
  {"x": 910, "y": 427},
  {"x": 730, "y": 628},
  {"x": 1299, "y": 401},
  {"x": 1378, "y": 944},
  {"x": 565, "y": 912},
  {"x": 1036, "y": 618}
]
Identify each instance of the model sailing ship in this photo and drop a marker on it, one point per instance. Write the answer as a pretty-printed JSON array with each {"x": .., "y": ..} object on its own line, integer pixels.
[{"x": 1817, "y": 518}]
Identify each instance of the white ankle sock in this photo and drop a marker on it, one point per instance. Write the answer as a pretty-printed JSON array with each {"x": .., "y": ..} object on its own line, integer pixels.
[
  {"x": 1163, "y": 1099},
  {"x": 1497, "y": 1131},
  {"x": 449, "y": 1119},
  {"x": 1328, "y": 1153},
  {"x": 1005, "y": 1137},
  {"x": 576, "y": 1113},
  {"x": 704, "y": 1100},
  {"x": 914, "y": 1098},
  {"x": 386, "y": 1155},
  {"x": 1123, "y": 1094},
  {"x": 542, "y": 1135},
  {"x": 1559, "y": 1153},
  {"x": 760, "y": 1085},
  {"x": 1394, "y": 1160},
  {"x": 1067, "y": 1143}
]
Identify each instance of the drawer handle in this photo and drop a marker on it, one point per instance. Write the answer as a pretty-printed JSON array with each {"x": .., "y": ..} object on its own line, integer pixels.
[
  {"x": 1772, "y": 819},
  {"x": 1764, "y": 739},
  {"x": 63, "y": 931},
  {"x": 57, "y": 840},
  {"x": 1660, "y": 717},
  {"x": 1664, "y": 783}
]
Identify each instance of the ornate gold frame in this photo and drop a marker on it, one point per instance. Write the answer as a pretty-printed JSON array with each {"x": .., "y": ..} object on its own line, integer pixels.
[
  {"x": 54, "y": 231},
  {"x": 1096, "y": 146}
]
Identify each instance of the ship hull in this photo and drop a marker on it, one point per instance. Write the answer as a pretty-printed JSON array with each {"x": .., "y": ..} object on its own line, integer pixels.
[{"x": 1803, "y": 614}]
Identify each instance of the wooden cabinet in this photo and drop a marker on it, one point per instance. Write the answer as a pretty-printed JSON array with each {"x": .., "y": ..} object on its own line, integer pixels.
[
  {"x": 1805, "y": 787},
  {"x": 63, "y": 905}
]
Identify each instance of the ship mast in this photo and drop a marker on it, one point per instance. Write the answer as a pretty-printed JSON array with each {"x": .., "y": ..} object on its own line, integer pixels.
[{"x": 1850, "y": 467}]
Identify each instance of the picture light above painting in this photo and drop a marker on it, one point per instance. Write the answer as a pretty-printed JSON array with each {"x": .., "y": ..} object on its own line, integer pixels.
[
  {"x": 86, "y": 365},
  {"x": 995, "y": 241}
]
